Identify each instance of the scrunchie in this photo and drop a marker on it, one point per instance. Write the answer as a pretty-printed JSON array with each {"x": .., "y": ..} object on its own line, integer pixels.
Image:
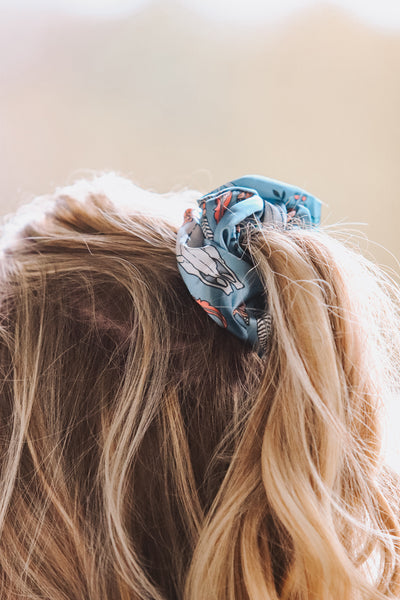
[{"x": 217, "y": 270}]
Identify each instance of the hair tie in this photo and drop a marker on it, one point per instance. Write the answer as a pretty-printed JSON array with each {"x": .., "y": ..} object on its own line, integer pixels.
[{"x": 216, "y": 269}]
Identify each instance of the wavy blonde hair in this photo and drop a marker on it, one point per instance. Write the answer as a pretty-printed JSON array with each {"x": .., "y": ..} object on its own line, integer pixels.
[{"x": 146, "y": 453}]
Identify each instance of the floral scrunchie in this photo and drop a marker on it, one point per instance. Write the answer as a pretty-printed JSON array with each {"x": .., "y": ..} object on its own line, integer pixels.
[{"x": 217, "y": 270}]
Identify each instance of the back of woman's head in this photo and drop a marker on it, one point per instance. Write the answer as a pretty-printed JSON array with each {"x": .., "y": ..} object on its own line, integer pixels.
[{"x": 146, "y": 453}]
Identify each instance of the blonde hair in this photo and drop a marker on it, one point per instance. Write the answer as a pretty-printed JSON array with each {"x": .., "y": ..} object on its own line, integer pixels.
[{"x": 146, "y": 453}]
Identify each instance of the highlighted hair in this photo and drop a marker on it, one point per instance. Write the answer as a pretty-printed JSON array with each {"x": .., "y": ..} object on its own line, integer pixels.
[{"x": 146, "y": 453}]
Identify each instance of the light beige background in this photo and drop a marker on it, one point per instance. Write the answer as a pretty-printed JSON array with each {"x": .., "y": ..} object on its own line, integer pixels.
[{"x": 173, "y": 100}]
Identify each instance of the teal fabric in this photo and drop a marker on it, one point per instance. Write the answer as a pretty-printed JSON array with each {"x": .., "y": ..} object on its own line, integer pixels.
[{"x": 216, "y": 268}]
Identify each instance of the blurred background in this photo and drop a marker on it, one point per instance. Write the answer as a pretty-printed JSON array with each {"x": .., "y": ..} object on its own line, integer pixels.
[{"x": 193, "y": 93}]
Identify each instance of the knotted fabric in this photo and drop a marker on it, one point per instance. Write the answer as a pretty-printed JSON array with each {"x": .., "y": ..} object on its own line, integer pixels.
[{"x": 217, "y": 270}]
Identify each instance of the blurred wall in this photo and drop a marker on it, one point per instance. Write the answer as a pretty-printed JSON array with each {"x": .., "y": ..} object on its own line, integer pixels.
[{"x": 172, "y": 99}]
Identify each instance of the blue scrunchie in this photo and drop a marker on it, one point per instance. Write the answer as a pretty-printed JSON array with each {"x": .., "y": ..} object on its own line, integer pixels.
[{"x": 216, "y": 269}]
